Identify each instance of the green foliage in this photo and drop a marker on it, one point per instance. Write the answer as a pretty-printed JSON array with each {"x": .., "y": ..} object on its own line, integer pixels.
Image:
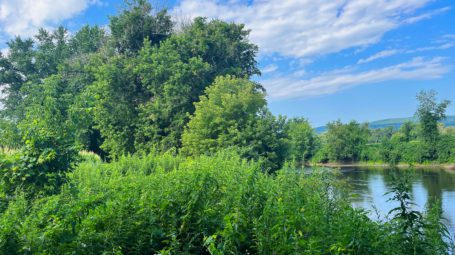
[
  {"x": 403, "y": 146},
  {"x": 10, "y": 221},
  {"x": 30, "y": 63},
  {"x": 224, "y": 46},
  {"x": 217, "y": 205},
  {"x": 415, "y": 233},
  {"x": 9, "y": 135},
  {"x": 425, "y": 142},
  {"x": 321, "y": 156},
  {"x": 372, "y": 153},
  {"x": 42, "y": 165},
  {"x": 345, "y": 142},
  {"x": 435, "y": 231},
  {"x": 429, "y": 113},
  {"x": 301, "y": 140},
  {"x": 379, "y": 134},
  {"x": 390, "y": 151},
  {"x": 15, "y": 70},
  {"x": 145, "y": 88},
  {"x": 142, "y": 102},
  {"x": 87, "y": 40},
  {"x": 177, "y": 73},
  {"x": 446, "y": 148},
  {"x": 49, "y": 151},
  {"x": 174, "y": 82},
  {"x": 116, "y": 98},
  {"x": 408, "y": 129},
  {"x": 228, "y": 107},
  {"x": 233, "y": 114},
  {"x": 136, "y": 23}
]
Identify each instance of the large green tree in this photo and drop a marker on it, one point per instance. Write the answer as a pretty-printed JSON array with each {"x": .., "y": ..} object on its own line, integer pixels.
[
  {"x": 233, "y": 113},
  {"x": 49, "y": 150},
  {"x": 29, "y": 62},
  {"x": 345, "y": 142},
  {"x": 429, "y": 112},
  {"x": 301, "y": 140},
  {"x": 143, "y": 101},
  {"x": 16, "y": 69},
  {"x": 176, "y": 74},
  {"x": 136, "y": 23},
  {"x": 173, "y": 83},
  {"x": 117, "y": 94},
  {"x": 50, "y": 122},
  {"x": 133, "y": 89}
]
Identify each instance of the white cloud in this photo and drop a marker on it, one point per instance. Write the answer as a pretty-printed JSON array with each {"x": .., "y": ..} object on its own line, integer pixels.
[
  {"x": 331, "y": 82},
  {"x": 444, "y": 46},
  {"x": 446, "y": 42},
  {"x": 24, "y": 17},
  {"x": 381, "y": 54},
  {"x": 269, "y": 69},
  {"x": 427, "y": 15},
  {"x": 308, "y": 28}
]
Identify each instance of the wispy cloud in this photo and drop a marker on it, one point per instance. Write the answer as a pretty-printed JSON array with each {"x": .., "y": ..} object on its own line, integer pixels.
[
  {"x": 308, "y": 28},
  {"x": 438, "y": 47},
  {"x": 24, "y": 17},
  {"x": 379, "y": 55},
  {"x": 331, "y": 82},
  {"x": 269, "y": 69},
  {"x": 446, "y": 42},
  {"x": 427, "y": 15}
]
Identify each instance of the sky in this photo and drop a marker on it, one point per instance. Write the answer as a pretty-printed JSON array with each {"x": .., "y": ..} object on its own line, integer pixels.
[{"x": 322, "y": 60}]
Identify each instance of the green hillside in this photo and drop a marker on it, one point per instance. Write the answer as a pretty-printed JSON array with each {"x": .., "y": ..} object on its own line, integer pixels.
[{"x": 395, "y": 123}]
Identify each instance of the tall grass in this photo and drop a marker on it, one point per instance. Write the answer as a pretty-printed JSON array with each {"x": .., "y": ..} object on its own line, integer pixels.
[{"x": 163, "y": 204}]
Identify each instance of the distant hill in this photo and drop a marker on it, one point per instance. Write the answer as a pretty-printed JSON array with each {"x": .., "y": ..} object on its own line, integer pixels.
[{"x": 395, "y": 123}]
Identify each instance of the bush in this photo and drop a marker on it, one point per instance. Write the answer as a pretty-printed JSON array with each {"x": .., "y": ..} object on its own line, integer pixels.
[
  {"x": 41, "y": 165},
  {"x": 321, "y": 156},
  {"x": 390, "y": 152},
  {"x": 173, "y": 205},
  {"x": 371, "y": 152},
  {"x": 415, "y": 152},
  {"x": 446, "y": 148}
]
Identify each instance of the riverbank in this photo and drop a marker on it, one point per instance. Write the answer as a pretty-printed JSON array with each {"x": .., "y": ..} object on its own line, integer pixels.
[{"x": 450, "y": 167}]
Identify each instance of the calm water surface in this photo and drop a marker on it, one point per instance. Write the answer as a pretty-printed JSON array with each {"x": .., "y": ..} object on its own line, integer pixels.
[{"x": 368, "y": 187}]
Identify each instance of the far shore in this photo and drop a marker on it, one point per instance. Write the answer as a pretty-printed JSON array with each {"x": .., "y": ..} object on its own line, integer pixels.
[{"x": 450, "y": 167}]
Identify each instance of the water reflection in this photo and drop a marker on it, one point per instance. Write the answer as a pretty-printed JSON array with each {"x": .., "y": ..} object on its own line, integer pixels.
[{"x": 368, "y": 187}]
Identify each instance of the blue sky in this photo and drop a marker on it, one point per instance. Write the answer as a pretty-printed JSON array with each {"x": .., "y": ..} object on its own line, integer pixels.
[{"x": 323, "y": 60}]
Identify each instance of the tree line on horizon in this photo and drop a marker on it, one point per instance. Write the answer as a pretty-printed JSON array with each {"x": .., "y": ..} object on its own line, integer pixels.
[{"x": 424, "y": 141}]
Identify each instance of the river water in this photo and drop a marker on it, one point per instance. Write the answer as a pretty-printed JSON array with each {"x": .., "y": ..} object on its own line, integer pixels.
[{"x": 369, "y": 185}]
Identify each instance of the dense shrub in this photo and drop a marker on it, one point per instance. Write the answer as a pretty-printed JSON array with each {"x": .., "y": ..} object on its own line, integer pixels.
[
  {"x": 415, "y": 152},
  {"x": 345, "y": 142},
  {"x": 40, "y": 167},
  {"x": 233, "y": 114},
  {"x": 446, "y": 148},
  {"x": 217, "y": 205},
  {"x": 371, "y": 152},
  {"x": 321, "y": 156}
]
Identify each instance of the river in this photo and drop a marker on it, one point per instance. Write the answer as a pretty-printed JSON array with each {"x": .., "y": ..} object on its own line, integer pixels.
[{"x": 369, "y": 185}]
